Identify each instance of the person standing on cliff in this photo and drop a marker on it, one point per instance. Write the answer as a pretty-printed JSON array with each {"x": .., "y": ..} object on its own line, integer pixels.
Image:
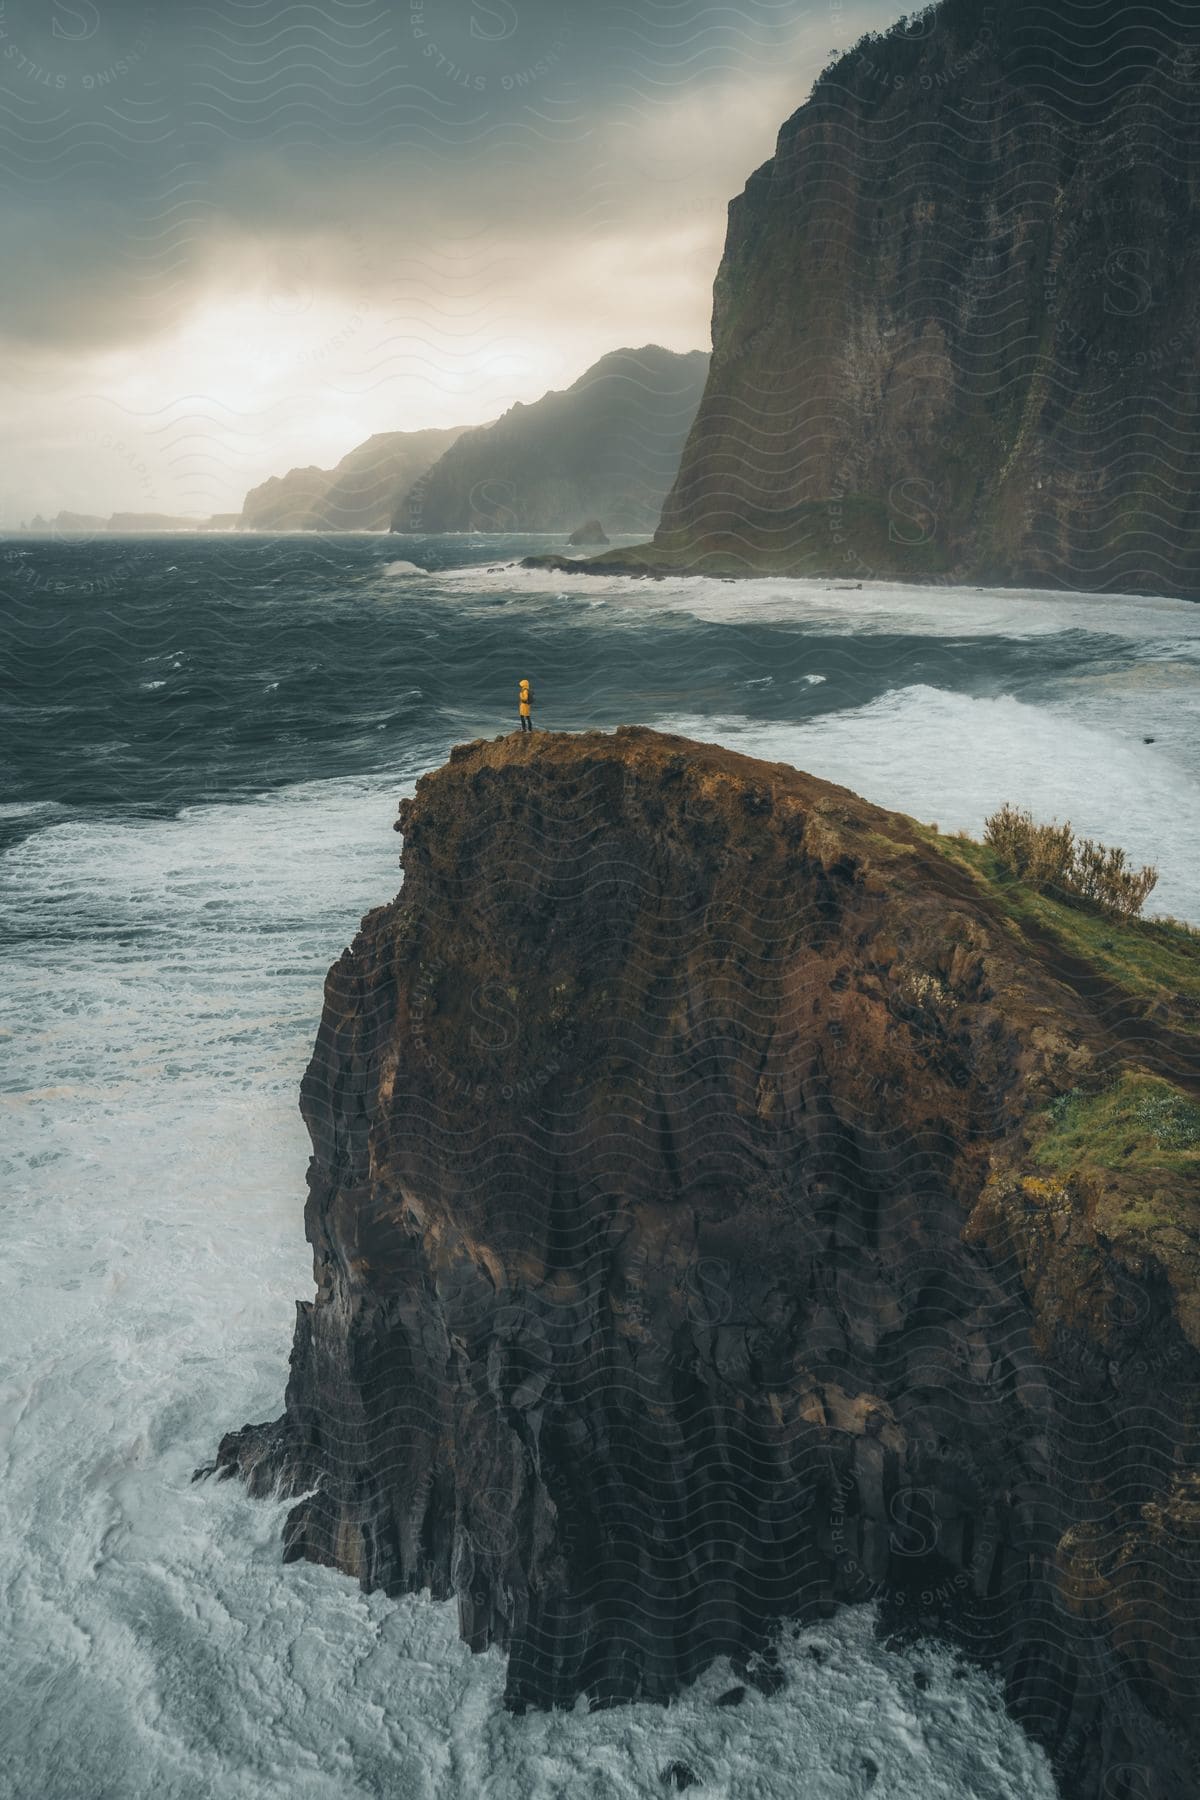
[{"x": 525, "y": 704}]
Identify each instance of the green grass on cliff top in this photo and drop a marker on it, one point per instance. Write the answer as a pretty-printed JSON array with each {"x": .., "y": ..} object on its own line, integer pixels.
[
  {"x": 1136, "y": 1145},
  {"x": 1140, "y": 1125},
  {"x": 1152, "y": 959}
]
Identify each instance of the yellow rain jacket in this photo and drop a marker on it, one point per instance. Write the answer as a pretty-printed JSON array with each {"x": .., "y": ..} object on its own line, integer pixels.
[{"x": 525, "y": 703}]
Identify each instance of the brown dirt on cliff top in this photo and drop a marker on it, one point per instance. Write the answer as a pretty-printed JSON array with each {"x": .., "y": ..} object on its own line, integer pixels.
[
  {"x": 880, "y": 848},
  {"x": 920, "y": 921}
]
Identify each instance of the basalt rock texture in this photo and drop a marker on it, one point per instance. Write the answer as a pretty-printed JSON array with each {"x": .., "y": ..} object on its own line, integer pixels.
[
  {"x": 702, "y": 1239},
  {"x": 956, "y": 327}
]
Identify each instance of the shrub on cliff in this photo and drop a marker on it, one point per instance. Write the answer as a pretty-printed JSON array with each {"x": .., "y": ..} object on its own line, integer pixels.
[{"x": 1052, "y": 859}]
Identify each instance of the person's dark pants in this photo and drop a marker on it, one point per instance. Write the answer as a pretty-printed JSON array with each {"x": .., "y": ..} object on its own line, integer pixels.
[{"x": 526, "y": 723}]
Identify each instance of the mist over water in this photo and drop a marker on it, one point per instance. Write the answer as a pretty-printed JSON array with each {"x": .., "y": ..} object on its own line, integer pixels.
[{"x": 203, "y": 745}]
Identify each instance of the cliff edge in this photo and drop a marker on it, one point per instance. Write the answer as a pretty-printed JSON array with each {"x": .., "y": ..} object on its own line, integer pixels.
[{"x": 728, "y": 1200}]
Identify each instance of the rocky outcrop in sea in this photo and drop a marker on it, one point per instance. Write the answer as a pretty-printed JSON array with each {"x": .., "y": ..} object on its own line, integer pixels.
[{"x": 730, "y": 1200}]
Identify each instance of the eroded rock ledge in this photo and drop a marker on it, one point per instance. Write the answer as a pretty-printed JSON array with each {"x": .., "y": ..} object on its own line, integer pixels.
[{"x": 684, "y": 1260}]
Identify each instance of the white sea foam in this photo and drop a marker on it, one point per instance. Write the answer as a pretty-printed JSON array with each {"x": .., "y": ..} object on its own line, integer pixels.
[
  {"x": 880, "y": 607},
  {"x": 162, "y": 989},
  {"x": 950, "y": 759}
]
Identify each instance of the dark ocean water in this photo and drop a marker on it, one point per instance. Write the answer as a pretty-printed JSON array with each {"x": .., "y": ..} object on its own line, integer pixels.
[
  {"x": 153, "y": 673},
  {"x": 202, "y": 742}
]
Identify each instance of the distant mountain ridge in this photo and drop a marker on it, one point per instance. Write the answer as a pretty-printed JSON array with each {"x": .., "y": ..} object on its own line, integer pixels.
[
  {"x": 604, "y": 450},
  {"x": 601, "y": 454},
  {"x": 85, "y": 523},
  {"x": 607, "y": 448},
  {"x": 360, "y": 494}
]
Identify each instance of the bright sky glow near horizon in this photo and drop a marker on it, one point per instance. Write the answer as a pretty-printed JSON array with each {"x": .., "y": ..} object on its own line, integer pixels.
[{"x": 242, "y": 238}]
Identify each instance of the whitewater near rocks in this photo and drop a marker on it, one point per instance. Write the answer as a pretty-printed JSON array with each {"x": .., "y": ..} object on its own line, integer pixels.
[
  {"x": 688, "y": 1258},
  {"x": 201, "y": 783}
]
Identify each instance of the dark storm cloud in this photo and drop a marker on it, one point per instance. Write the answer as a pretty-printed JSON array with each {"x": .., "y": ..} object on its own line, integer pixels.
[
  {"x": 143, "y": 142},
  {"x": 243, "y": 234}
]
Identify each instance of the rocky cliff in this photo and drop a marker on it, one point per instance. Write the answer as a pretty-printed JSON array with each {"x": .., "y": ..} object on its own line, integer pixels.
[
  {"x": 956, "y": 327},
  {"x": 727, "y": 1200},
  {"x": 360, "y": 494},
  {"x": 606, "y": 448}
]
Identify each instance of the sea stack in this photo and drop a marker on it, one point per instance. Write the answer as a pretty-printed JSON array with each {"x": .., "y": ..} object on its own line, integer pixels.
[{"x": 720, "y": 1211}]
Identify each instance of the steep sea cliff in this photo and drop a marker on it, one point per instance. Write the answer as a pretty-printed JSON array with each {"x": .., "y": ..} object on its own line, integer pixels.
[
  {"x": 955, "y": 323},
  {"x": 727, "y": 1200}
]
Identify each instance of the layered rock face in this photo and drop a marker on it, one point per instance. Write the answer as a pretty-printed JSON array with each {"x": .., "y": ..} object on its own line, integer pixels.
[
  {"x": 606, "y": 448},
  {"x": 686, "y": 1259},
  {"x": 956, "y": 327}
]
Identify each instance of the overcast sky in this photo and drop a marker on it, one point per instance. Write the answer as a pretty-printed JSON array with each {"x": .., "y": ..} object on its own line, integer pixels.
[{"x": 242, "y": 235}]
